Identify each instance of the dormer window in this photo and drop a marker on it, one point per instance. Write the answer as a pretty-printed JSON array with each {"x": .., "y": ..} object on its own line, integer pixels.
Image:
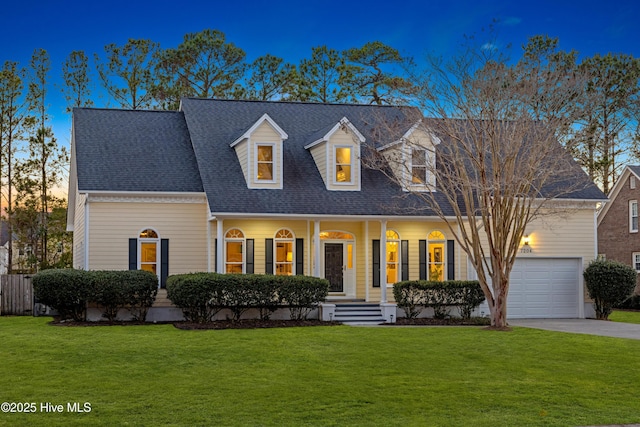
[
  {"x": 343, "y": 165},
  {"x": 336, "y": 152},
  {"x": 264, "y": 161},
  {"x": 260, "y": 153},
  {"x": 418, "y": 166}
]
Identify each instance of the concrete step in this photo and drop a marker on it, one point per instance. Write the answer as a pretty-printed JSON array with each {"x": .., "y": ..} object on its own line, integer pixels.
[{"x": 358, "y": 314}]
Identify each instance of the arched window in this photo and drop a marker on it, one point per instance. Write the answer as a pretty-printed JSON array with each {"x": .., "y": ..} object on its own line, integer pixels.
[
  {"x": 148, "y": 250},
  {"x": 393, "y": 257},
  {"x": 284, "y": 250},
  {"x": 235, "y": 249},
  {"x": 437, "y": 256}
]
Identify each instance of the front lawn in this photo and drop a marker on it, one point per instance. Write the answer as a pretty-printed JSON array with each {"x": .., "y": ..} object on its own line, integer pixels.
[
  {"x": 324, "y": 376},
  {"x": 625, "y": 316}
]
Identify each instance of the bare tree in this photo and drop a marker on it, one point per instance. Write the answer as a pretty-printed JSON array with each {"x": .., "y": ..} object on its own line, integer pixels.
[{"x": 486, "y": 164}]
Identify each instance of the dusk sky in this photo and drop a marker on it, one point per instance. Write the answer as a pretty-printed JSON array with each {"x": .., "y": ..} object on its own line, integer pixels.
[{"x": 289, "y": 29}]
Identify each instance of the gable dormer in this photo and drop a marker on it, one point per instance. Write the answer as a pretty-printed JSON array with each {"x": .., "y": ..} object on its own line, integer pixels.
[
  {"x": 336, "y": 152},
  {"x": 412, "y": 158},
  {"x": 260, "y": 151}
]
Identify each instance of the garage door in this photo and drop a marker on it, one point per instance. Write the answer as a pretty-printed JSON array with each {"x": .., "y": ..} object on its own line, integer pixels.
[{"x": 544, "y": 288}]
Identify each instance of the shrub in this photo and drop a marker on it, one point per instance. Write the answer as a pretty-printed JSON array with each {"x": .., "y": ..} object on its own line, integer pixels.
[
  {"x": 412, "y": 295},
  {"x": 202, "y": 295},
  {"x": 107, "y": 292},
  {"x": 199, "y": 295},
  {"x": 409, "y": 297},
  {"x": 609, "y": 283},
  {"x": 140, "y": 290},
  {"x": 67, "y": 291},
  {"x": 302, "y": 294}
]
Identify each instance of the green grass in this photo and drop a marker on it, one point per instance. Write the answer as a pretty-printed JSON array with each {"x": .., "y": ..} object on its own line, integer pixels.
[
  {"x": 324, "y": 376},
  {"x": 625, "y": 316}
]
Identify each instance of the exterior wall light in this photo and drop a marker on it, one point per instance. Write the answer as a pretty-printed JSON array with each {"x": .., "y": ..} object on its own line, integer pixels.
[{"x": 525, "y": 240}]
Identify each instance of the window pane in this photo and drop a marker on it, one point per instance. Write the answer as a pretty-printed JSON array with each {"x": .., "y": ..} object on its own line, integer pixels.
[
  {"x": 418, "y": 175},
  {"x": 265, "y": 153},
  {"x": 284, "y": 252},
  {"x": 234, "y": 252},
  {"x": 343, "y": 173},
  {"x": 149, "y": 267},
  {"x": 343, "y": 155},
  {"x": 418, "y": 157},
  {"x": 148, "y": 252},
  {"x": 265, "y": 171},
  {"x": 234, "y": 268}
]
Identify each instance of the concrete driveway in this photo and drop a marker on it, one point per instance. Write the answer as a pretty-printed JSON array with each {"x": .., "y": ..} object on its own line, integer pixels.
[{"x": 582, "y": 326}]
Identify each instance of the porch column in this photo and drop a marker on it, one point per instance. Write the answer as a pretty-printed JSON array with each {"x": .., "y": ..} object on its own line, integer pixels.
[
  {"x": 316, "y": 249},
  {"x": 220, "y": 246},
  {"x": 383, "y": 261}
]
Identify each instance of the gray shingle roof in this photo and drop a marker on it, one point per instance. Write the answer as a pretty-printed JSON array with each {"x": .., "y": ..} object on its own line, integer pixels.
[
  {"x": 133, "y": 150},
  {"x": 189, "y": 151},
  {"x": 213, "y": 125}
]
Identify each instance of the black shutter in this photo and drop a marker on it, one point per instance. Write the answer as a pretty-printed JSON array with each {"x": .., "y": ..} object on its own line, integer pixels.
[
  {"x": 422, "y": 253},
  {"x": 215, "y": 256},
  {"x": 164, "y": 262},
  {"x": 249, "y": 257},
  {"x": 451, "y": 261},
  {"x": 268, "y": 256},
  {"x": 404, "y": 256},
  {"x": 133, "y": 254},
  {"x": 376, "y": 263},
  {"x": 299, "y": 256}
]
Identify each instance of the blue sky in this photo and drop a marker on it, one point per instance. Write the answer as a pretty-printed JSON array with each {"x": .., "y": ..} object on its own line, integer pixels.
[{"x": 290, "y": 29}]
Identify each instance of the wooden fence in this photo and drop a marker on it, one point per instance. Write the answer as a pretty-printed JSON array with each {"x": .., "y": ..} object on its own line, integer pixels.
[{"x": 16, "y": 295}]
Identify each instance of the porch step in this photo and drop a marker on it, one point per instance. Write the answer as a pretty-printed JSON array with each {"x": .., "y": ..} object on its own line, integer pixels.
[
  {"x": 358, "y": 314},
  {"x": 162, "y": 300}
]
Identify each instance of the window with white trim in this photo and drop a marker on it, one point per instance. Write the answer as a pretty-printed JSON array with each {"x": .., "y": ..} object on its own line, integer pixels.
[
  {"x": 418, "y": 166},
  {"x": 148, "y": 251},
  {"x": 343, "y": 163},
  {"x": 633, "y": 216},
  {"x": 284, "y": 250},
  {"x": 393, "y": 257},
  {"x": 636, "y": 261},
  {"x": 234, "y": 249},
  {"x": 632, "y": 182},
  {"x": 264, "y": 162},
  {"x": 436, "y": 255}
]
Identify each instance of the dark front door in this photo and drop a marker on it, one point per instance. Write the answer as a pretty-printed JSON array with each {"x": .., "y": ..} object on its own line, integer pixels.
[{"x": 333, "y": 266}]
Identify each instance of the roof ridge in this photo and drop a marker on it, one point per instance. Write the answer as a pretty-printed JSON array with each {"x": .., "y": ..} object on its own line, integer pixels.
[{"x": 258, "y": 101}]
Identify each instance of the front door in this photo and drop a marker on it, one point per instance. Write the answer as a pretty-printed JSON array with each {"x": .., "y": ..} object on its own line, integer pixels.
[{"x": 334, "y": 266}]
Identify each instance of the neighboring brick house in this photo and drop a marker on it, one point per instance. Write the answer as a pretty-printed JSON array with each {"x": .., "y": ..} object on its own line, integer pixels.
[{"x": 618, "y": 235}]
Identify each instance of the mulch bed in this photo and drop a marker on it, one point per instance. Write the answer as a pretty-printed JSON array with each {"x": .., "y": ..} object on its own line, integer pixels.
[{"x": 256, "y": 323}]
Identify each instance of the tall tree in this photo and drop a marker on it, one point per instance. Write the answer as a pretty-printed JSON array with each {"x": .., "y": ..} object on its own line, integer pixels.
[
  {"x": 75, "y": 73},
  {"x": 127, "y": 73},
  {"x": 606, "y": 127},
  {"x": 203, "y": 65},
  {"x": 375, "y": 76},
  {"x": 271, "y": 78},
  {"x": 498, "y": 167},
  {"x": 323, "y": 77},
  {"x": 12, "y": 117}
]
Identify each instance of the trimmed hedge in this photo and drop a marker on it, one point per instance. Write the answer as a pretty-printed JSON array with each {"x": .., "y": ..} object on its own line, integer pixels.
[
  {"x": 415, "y": 295},
  {"x": 202, "y": 295},
  {"x": 609, "y": 284},
  {"x": 69, "y": 292}
]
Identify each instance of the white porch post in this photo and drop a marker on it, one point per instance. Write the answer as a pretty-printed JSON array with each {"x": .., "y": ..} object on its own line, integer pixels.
[
  {"x": 383, "y": 261},
  {"x": 316, "y": 248},
  {"x": 220, "y": 246}
]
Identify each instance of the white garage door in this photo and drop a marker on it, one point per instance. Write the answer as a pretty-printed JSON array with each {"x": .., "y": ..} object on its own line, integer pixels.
[{"x": 544, "y": 287}]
